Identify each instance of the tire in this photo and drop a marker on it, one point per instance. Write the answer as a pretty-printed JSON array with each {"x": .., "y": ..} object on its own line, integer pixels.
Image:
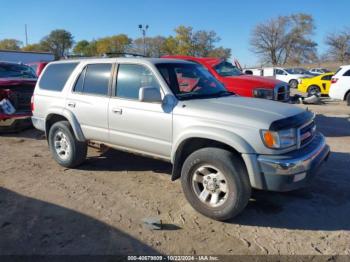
[
  {"x": 207, "y": 164},
  {"x": 293, "y": 83},
  {"x": 313, "y": 90},
  {"x": 68, "y": 152},
  {"x": 347, "y": 99}
]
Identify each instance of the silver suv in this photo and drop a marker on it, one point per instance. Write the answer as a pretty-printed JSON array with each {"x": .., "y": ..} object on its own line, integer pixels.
[{"x": 221, "y": 145}]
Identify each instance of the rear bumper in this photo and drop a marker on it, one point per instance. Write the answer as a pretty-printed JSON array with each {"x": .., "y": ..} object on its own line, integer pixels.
[{"x": 293, "y": 170}]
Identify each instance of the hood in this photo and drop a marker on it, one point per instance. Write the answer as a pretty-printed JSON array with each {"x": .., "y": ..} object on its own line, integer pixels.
[
  {"x": 17, "y": 81},
  {"x": 254, "y": 81},
  {"x": 238, "y": 111}
]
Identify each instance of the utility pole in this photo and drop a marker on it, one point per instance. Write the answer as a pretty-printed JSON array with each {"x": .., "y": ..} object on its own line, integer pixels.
[
  {"x": 143, "y": 29},
  {"x": 26, "y": 33}
]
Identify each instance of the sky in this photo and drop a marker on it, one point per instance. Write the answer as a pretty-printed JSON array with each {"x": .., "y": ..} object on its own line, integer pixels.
[{"x": 232, "y": 20}]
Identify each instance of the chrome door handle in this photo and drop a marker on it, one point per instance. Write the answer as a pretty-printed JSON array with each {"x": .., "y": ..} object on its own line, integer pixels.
[
  {"x": 117, "y": 111},
  {"x": 71, "y": 104}
]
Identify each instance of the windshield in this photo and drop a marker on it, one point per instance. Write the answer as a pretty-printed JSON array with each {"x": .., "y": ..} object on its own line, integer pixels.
[
  {"x": 294, "y": 71},
  {"x": 191, "y": 81},
  {"x": 227, "y": 69},
  {"x": 16, "y": 71}
]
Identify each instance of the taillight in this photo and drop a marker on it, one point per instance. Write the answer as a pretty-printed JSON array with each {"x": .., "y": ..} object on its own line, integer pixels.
[
  {"x": 32, "y": 103},
  {"x": 334, "y": 80}
]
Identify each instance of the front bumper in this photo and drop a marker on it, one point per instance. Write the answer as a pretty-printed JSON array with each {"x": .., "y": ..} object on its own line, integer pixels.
[
  {"x": 16, "y": 122},
  {"x": 293, "y": 170}
]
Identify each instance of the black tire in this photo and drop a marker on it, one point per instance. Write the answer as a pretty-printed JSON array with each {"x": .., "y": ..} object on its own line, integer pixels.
[
  {"x": 235, "y": 173},
  {"x": 347, "y": 99},
  {"x": 314, "y": 90},
  {"x": 293, "y": 83},
  {"x": 78, "y": 150}
]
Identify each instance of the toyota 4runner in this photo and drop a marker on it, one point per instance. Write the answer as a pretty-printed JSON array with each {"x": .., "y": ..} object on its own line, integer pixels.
[{"x": 220, "y": 145}]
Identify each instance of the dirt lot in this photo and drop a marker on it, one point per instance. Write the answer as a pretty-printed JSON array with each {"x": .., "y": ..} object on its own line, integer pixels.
[{"x": 98, "y": 208}]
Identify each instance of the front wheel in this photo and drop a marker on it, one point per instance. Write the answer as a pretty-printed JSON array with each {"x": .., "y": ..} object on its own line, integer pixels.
[
  {"x": 293, "y": 83},
  {"x": 215, "y": 182}
]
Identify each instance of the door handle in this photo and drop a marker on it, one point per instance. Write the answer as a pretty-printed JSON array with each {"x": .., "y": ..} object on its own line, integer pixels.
[
  {"x": 71, "y": 104},
  {"x": 117, "y": 110}
]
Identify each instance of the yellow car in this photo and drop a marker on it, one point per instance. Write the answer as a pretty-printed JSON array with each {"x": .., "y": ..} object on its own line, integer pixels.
[{"x": 317, "y": 85}]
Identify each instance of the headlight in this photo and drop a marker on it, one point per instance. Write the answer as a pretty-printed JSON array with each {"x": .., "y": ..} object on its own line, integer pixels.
[
  {"x": 263, "y": 93},
  {"x": 280, "y": 139}
]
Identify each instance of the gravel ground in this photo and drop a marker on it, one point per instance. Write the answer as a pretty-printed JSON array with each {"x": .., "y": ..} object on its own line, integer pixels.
[{"x": 98, "y": 208}]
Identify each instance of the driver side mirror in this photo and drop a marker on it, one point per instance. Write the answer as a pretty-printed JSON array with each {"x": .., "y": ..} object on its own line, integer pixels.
[{"x": 150, "y": 94}]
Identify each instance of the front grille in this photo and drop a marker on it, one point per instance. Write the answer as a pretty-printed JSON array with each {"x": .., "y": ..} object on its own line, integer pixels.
[
  {"x": 307, "y": 133},
  {"x": 282, "y": 93}
]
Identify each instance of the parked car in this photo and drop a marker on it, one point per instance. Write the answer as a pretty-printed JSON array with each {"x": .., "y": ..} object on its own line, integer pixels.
[
  {"x": 241, "y": 84},
  {"x": 319, "y": 71},
  {"x": 317, "y": 85},
  {"x": 17, "y": 82},
  {"x": 340, "y": 86},
  {"x": 221, "y": 145},
  {"x": 291, "y": 75},
  {"x": 38, "y": 67},
  {"x": 288, "y": 75}
]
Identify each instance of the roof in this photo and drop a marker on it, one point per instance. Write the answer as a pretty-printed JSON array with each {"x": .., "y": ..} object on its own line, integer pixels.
[
  {"x": 123, "y": 59},
  {"x": 211, "y": 61}
]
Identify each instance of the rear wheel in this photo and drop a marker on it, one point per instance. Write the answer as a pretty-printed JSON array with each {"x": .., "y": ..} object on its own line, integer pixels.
[
  {"x": 314, "y": 90},
  {"x": 293, "y": 83},
  {"x": 215, "y": 182},
  {"x": 347, "y": 99},
  {"x": 65, "y": 148}
]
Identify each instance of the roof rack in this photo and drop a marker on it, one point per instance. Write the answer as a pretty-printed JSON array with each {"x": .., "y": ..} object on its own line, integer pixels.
[{"x": 105, "y": 55}]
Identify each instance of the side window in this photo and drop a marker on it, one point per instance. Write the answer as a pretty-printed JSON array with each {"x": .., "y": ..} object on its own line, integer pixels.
[
  {"x": 94, "y": 79},
  {"x": 79, "y": 84},
  {"x": 56, "y": 76},
  {"x": 327, "y": 78},
  {"x": 347, "y": 73},
  {"x": 279, "y": 72},
  {"x": 131, "y": 78}
]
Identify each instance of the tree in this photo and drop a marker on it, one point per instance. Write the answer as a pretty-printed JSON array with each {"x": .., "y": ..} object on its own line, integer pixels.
[
  {"x": 285, "y": 39},
  {"x": 58, "y": 42},
  {"x": 220, "y": 52},
  {"x": 170, "y": 46},
  {"x": 113, "y": 44},
  {"x": 203, "y": 42},
  {"x": 155, "y": 46},
  {"x": 339, "y": 45},
  {"x": 82, "y": 48},
  {"x": 184, "y": 40},
  {"x": 10, "y": 44},
  {"x": 35, "y": 48}
]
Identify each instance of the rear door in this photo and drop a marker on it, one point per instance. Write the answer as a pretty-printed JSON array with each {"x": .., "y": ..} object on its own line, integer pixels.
[
  {"x": 89, "y": 100},
  {"x": 140, "y": 126}
]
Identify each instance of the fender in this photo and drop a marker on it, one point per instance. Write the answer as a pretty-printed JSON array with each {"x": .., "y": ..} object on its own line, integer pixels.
[
  {"x": 71, "y": 119},
  {"x": 224, "y": 136}
]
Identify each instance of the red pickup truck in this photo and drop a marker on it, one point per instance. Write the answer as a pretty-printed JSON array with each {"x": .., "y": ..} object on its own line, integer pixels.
[
  {"x": 17, "y": 82},
  {"x": 235, "y": 81}
]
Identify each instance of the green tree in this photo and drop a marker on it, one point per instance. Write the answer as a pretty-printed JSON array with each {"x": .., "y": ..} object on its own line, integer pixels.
[
  {"x": 184, "y": 39},
  {"x": 113, "y": 44},
  {"x": 204, "y": 42},
  {"x": 10, "y": 44},
  {"x": 155, "y": 46},
  {"x": 82, "y": 48},
  {"x": 220, "y": 52},
  {"x": 170, "y": 46},
  {"x": 58, "y": 42},
  {"x": 35, "y": 48}
]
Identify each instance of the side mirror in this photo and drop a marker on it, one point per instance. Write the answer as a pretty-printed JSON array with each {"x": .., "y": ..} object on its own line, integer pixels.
[{"x": 149, "y": 94}]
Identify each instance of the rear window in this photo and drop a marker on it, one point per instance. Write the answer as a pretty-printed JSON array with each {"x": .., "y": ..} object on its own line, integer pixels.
[
  {"x": 347, "y": 73},
  {"x": 16, "y": 71},
  {"x": 56, "y": 76}
]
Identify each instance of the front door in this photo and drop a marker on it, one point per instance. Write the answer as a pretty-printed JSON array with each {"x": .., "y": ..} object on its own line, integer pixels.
[{"x": 140, "y": 126}]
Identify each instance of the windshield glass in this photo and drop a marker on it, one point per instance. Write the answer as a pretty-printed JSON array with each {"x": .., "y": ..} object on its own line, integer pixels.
[
  {"x": 227, "y": 69},
  {"x": 297, "y": 71},
  {"x": 16, "y": 71},
  {"x": 191, "y": 81}
]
